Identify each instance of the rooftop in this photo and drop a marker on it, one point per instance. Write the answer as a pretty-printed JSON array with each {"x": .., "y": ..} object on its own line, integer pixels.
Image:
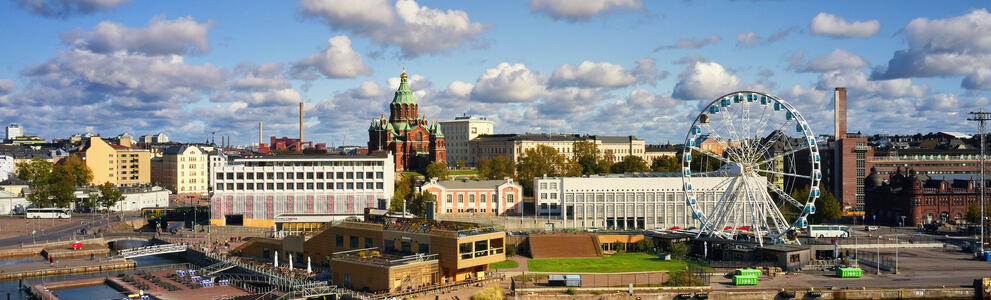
[
  {"x": 419, "y": 225},
  {"x": 376, "y": 257},
  {"x": 470, "y": 184}
]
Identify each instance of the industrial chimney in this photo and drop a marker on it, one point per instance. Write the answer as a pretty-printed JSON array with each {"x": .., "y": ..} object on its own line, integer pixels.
[
  {"x": 839, "y": 110},
  {"x": 259, "y": 135},
  {"x": 300, "y": 125}
]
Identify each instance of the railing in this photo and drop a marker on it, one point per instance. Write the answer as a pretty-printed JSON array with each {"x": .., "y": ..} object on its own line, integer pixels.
[{"x": 152, "y": 250}]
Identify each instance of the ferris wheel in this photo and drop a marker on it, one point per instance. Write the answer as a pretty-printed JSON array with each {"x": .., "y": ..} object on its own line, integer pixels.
[{"x": 751, "y": 155}]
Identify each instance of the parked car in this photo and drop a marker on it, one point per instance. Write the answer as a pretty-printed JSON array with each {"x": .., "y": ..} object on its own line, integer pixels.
[{"x": 871, "y": 227}]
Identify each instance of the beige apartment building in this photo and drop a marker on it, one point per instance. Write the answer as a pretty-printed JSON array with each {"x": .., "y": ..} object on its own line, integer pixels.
[
  {"x": 513, "y": 146},
  {"x": 459, "y": 133},
  {"x": 183, "y": 169},
  {"x": 116, "y": 164}
]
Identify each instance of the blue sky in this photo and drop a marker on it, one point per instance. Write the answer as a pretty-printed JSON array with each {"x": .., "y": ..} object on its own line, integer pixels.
[{"x": 615, "y": 67}]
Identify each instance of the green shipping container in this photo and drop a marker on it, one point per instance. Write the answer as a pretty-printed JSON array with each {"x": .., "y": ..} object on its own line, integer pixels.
[
  {"x": 849, "y": 272},
  {"x": 748, "y": 272},
  {"x": 744, "y": 280}
]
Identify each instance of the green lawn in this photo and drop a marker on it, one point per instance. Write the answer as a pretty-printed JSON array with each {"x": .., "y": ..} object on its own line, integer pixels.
[
  {"x": 619, "y": 262},
  {"x": 508, "y": 264},
  {"x": 462, "y": 172}
]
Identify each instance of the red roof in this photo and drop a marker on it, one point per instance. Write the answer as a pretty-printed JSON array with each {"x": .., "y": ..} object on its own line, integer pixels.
[{"x": 119, "y": 146}]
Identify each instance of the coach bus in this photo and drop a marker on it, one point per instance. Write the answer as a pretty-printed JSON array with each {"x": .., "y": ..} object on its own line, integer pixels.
[
  {"x": 47, "y": 213},
  {"x": 829, "y": 231}
]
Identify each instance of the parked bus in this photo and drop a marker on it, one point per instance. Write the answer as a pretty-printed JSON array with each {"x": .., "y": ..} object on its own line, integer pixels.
[
  {"x": 830, "y": 231},
  {"x": 47, "y": 213}
]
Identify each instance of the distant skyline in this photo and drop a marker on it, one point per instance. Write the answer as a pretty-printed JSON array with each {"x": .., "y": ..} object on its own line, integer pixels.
[{"x": 608, "y": 67}]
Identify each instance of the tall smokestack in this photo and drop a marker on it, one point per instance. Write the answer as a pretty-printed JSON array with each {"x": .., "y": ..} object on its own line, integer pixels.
[
  {"x": 301, "y": 125},
  {"x": 839, "y": 109},
  {"x": 259, "y": 134},
  {"x": 222, "y": 144}
]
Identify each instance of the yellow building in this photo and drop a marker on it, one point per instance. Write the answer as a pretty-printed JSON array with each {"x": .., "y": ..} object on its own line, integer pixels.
[
  {"x": 116, "y": 164},
  {"x": 182, "y": 169}
]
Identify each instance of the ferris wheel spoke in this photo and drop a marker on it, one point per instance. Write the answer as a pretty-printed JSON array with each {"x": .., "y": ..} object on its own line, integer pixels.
[
  {"x": 724, "y": 144},
  {"x": 778, "y": 135},
  {"x": 782, "y": 154},
  {"x": 786, "y": 197},
  {"x": 784, "y": 173},
  {"x": 710, "y": 154},
  {"x": 755, "y": 209}
]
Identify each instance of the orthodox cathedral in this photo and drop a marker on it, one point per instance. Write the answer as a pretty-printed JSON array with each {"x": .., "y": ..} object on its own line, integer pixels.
[{"x": 413, "y": 141}]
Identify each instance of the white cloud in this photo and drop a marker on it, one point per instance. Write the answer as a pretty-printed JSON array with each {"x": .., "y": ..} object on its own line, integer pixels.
[
  {"x": 422, "y": 30},
  {"x": 263, "y": 77},
  {"x": 939, "y": 102},
  {"x": 691, "y": 43},
  {"x": 641, "y": 98},
  {"x": 565, "y": 103},
  {"x": 748, "y": 39},
  {"x": 836, "y": 27},
  {"x": 704, "y": 80},
  {"x": 646, "y": 72},
  {"x": 958, "y": 45},
  {"x": 336, "y": 60},
  {"x": 160, "y": 37},
  {"x": 66, "y": 8},
  {"x": 7, "y": 86},
  {"x": 836, "y": 60},
  {"x": 592, "y": 74},
  {"x": 858, "y": 83},
  {"x": 508, "y": 83},
  {"x": 581, "y": 10}
]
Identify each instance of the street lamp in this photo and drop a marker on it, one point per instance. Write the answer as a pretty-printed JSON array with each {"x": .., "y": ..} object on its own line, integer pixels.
[
  {"x": 878, "y": 262},
  {"x": 194, "y": 211}
]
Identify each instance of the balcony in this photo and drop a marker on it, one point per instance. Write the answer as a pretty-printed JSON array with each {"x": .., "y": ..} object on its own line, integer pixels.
[{"x": 861, "y": 148}]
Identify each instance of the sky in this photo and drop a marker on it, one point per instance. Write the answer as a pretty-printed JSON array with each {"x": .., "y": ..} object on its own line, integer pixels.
[{"x": 196, "y": 69}]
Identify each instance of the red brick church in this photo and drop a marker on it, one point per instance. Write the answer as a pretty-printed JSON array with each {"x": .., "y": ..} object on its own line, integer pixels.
[{"x": 413, "y": 141}]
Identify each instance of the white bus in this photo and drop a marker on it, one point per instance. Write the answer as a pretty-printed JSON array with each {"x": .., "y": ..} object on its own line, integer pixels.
[
  {"x": 830, "y": 231},
  {"x": 48, "y": 213}
]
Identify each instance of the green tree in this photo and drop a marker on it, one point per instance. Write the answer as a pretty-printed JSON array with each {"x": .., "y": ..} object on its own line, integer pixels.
[
  {"x": 666, "y": 164},
  {"x": 35, "y": 170},
  {"x": 827, "y": 208},
  {"x": 51, "y": 186},
  {"x": 587, "y": 155},
  {"x": 109, "y": 195},
  {"x": 683, "y": 278},
  {"x": 679, "y": 250},
  {"x": 436, "y": 170},
  {"x": 974, "y": 213},
  {"x": 404, "y": 188},
  {"x": 92, "y": 201},
  {"x": 77, "y": 169},
  {"x": 497, "y": 168},
  {"x": 543, "y": 160},
  {"x": 460, "y": 164},
  {"x": 630, "y": 163}
]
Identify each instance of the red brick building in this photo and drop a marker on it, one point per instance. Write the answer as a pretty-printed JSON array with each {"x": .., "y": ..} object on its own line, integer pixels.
[
  {"x": 921, "y": 198},
  {"x": 413, "y": 141},
  {"x": 845, "y": 167},
  {"x": 290, "y": 144}
]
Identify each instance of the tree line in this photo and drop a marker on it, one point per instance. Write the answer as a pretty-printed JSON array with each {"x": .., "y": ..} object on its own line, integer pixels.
[{"x": 54, "y": 185}]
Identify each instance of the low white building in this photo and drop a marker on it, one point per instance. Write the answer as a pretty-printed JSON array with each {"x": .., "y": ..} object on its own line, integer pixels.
[
  {"x": 135, "y": 198},
  {"x": 623, "y": 201},
  {"x": 6, "y": 166},
  {"x": 11, "y": 203}
]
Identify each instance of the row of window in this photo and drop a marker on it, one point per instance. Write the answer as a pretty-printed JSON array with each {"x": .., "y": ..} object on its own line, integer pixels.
[
  {"x": 352, "y": 242},
  {"x": 510, "y": 198},
  {"x": 313, "y": 163},
  {"x": 280, "y": 186},
  {"x": 623, "y": 197},
  {"x": 300, "y": 175}
]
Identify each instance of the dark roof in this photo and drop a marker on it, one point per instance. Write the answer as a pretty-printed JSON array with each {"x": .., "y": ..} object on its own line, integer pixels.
[
  {"x": 13, "y": 180},
  {"x": 554, "y": 137},
  {"x": 175, "y": 149},
  {"x": 612, "y": 139},
  {"x": 471, "y": 184}
]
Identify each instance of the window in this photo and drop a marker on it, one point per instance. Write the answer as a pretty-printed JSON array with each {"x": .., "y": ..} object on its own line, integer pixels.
[
  {"x": 340, "y": 185},
  {"x": 465, "y": 250},
  {"x": 220, "y": 175},
  {"x": 309, "y": 186},
  {"x": 281, "y": 175},
  {"x": 339, "y": 240},
  {"x": 350, "y": 175},
  {"x": 353, "y": 242},
  {"x": 379, "y": 175},
  {"x": 320, "y": 184},
  {"x": 360, "y": 186},
  {"x": 461, "y": 198},
  {"x": 281, "y": 186},
  {"x": 240, "y": 186},
  {"x": 509, "y": 198},
  {"x": 423, "y": 248},
  {"x": 271, "y": 186},
  {"x": 860, "y": 155},
  {"x": 230, "y": 175},
  {"x": 340, "y": 175},
  {"x": 369, "y": 175},
  {"x": 289, "y": 175},
  {"x": 220, "y": 186},
  {"x": 299, "y": 175},
  {"x": 240, "y": 175},
  {"x": 360, "y": 175},
  {"x": 543, "y": 185},
  {"x": 368, "y": 242},
  {"x": 350, "y": 185},
  {"x": 251, "y": 176},
  {"x": 309, "y": 175},
  {"x": 449, "y": 198},
  {"x": 483, "y": 198},
  {"x": 471, "y": 198},
  {"x": 378, "y": 185},
  {"x": 299, "y": 186}
]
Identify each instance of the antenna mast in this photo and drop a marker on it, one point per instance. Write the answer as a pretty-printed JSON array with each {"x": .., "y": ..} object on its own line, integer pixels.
[{"x": 981, "y": 117}]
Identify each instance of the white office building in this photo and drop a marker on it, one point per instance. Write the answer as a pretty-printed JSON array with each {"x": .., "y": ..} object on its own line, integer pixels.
[
  {"x": 254, "y": 190},
  {"x": 457, "y": 135},
  {"x": 623, "y": 201},
  {"x": 14, "y": 131}
]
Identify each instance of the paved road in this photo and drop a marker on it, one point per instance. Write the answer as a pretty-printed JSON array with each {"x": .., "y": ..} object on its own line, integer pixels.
[{"x": 62, "y": 232}]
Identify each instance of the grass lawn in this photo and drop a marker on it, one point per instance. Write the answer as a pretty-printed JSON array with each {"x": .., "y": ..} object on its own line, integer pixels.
[
  {"x": 463, "y": 172},
  {"x": 508, "y": 264},
  {"x": 411, "y": 173},
  {"x": 619, "y": 262}
]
